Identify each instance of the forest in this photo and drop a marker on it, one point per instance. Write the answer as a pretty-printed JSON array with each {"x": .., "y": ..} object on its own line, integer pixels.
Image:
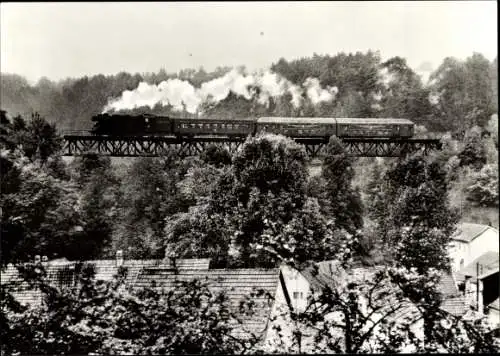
[{"x": 258, "y": 208}]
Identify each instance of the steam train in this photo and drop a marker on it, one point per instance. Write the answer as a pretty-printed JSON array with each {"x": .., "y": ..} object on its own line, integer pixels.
[{"x": 298, "y": 127}]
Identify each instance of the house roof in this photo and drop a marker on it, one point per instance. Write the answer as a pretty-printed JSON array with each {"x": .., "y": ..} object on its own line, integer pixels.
[
  {"x": 237, "y": 284},
  {"x": 448, "y": 285},
  {"x": 61, "y": 273},
  {"x": 106, "y": 269},
  {"x": 323, "y": 273},
  {"x": 495, "y": 304},
  {"x": 467, "y": 232},
  {"x": 456, "y": 305},
  {"x": 488, "y": 264}
]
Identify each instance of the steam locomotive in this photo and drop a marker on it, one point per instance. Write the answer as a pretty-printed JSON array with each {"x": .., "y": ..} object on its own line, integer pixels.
[{"x": 299, "y": 127}]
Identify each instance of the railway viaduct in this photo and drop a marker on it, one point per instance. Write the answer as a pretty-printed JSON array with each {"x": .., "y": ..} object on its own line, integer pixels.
[{"x": 79, "y": 143}]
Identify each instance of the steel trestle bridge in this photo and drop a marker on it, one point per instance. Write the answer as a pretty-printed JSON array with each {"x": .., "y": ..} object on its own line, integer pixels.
[{"x": 80, "y": 143}]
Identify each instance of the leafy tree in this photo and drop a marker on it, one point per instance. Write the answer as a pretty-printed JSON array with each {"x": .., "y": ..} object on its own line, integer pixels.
[
  {"x": 419, "y": 221},
  {"x": 263, "y": 201},
  {"x": 351, "y": 311},
  {"x": 216, "y": 155},
  {"x": 483, "y": 187},
  {"x": 153, "y": 194},
  {"x": 341, "y": 201},
  {"x": 403, "y": 96},
  {"x": 101, "y": 202},
  {"x": 6, "y": 139},
  {"x": 103, "y": 317},
  {"x": 375, "y": 200},
  {"x": 198, "y": 233},
  {"x": 463, "y": 93},
  {"x": 474, "y": 152},
  {"x": 38, "y": 138},
  {"x": 443, "y": 332},
  {"x": 39, "y": 212},
  {"x": 418, "y": 229}
]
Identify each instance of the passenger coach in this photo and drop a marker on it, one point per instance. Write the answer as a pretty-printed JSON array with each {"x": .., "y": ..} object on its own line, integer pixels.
[{"x": 313, "y": 127}]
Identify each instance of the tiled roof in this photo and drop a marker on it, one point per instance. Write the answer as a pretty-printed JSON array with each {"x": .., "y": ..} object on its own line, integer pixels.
[
  {"x": 469, "y": 231},
  {"x": 235, "y": 283},
  {"x": 106, "y": 269},
  {"x": 317, "y": 277},
  {"x": 447, "y": 285},
  {"x": 488, "y": 263},
  {"x": 61, "y": 274},
  {"x": 58, "y": 274},
  {"x": 327, "y": 273},
  {"x": 456, "y": 306}
]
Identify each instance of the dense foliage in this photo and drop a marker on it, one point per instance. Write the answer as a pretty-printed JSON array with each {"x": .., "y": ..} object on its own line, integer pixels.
[
  {"x": 96, "y": 317},
  {"x": 259, "y": 207},
  {"x": 459, "y": 95}
]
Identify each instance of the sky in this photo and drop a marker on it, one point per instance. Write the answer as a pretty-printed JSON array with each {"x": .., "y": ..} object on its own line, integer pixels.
[{"x": 60, "y": 40}]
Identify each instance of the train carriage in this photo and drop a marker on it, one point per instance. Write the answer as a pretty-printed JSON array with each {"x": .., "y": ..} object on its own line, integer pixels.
[
  {"x": 307, "y": 127},
  {"x": 194, "y": 127},
  {"x": 374, "y": 127}
]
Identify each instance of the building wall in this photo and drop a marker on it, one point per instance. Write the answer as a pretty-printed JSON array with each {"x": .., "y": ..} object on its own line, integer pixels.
[
  {"x": 280, "y": 328},
  {"x": 459, "y": 255},
  {"x": 467, "y": 252},
  {"x": 486, "y": 242},
  {"x": 297, "y": 286},
  {"x": 280, "y": 336},
  {"x": 494, "y": 317}
]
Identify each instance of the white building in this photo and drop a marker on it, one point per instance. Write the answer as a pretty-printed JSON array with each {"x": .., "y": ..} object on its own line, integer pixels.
[{"x": 470, "y": 242}]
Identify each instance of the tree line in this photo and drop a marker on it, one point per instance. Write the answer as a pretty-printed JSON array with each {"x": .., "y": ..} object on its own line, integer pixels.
[
  {"x": 259, "y": 207},
  {"x": 459, "y": 95},
  {"x": 256, "y": 208}
]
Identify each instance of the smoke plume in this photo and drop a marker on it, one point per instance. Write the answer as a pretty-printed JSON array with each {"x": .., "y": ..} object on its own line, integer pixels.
[{"x": 184, "y": 96}]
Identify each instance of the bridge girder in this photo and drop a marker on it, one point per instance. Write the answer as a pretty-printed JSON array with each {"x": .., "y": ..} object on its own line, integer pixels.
[{"x": 151, "y": 146}]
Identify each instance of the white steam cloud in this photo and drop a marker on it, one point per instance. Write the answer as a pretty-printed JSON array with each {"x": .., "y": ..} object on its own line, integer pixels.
[{"x": 183, "y": 96}]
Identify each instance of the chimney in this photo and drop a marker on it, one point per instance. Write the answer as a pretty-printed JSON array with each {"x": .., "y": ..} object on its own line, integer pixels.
[
  {"x": 119, "y": 258},
  {"x": 169, "y": 258},
  {"x": 38, "y": 259}
]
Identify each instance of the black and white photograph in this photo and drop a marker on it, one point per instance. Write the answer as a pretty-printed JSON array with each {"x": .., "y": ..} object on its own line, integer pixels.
[{"x": 249, "y": 177}]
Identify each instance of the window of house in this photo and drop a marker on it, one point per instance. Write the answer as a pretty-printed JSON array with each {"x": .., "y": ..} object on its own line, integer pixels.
[{"x": 297, "y": 295}]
